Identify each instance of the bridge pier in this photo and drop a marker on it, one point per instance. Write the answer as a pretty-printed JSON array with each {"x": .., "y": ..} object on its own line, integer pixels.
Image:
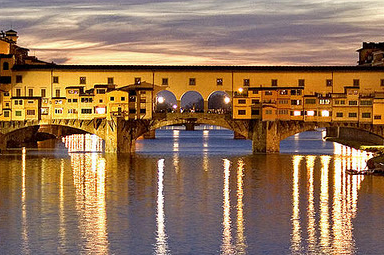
[
  {"x": 119, "y": 137},
  {"x": 265, "y": 137}
]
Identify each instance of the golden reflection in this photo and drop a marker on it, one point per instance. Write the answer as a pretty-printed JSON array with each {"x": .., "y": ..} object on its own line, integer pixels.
[
  {"x": 324, "y": 205},
  {"x": 296, "y": 245},
  {"x": 241, "y": 241},
  {"x": 161, "y": 240},
  {"x": 62, "y": 229},
  {"x": 83, "y": 143},
  {"x": 176, "y": 162},
  {"x": 205, "y": 162},
  {"x": 205, "y": 140},
  {"x": 89, "y": 181},
  {"x": 24, "y": 220},
  {"x": 311, "y": 214},
  {"x": 176, "y": 134},
  {"x": 226, "y": 247}
]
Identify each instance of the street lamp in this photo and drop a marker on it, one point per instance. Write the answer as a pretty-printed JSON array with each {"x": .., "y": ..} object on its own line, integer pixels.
[
  {"x": 227, "y": 100},
  {"x": 160, "y": 100},
  {"x": 241, "y": 90}
]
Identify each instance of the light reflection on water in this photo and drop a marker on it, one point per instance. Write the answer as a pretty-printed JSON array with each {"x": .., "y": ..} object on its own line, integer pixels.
[{"x": 198, "y": 203}]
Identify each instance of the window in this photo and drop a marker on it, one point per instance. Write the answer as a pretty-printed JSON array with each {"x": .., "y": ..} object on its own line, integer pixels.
[
  {"x": 246, "y": 82},
  {"x": 283, "y": 101},
  {"x": 366, "y": 115},
  {"x": 5, "y": 66},
  {"x": 329, "y": 83},
  {"x": 274, "y": 83},
  {"x": 6, "y": 104},
  {"x": 43, "y": 92},
  {"x": 132, "y": 111},
  {"x": 72, "y": 111},
  {"x": 30, "y": 112},
  {"x": 283, "y": 111},
  {"x": 164, "y": 81},
  {"x": 352, "y": 115},
  {"x": 301, "y": 82},
  {"x": 219, "y": 81},
  {"x": 268, "y": 93},
  {"x": 295, "y": 102},
  {"x": 356, "y": 82},
  {"x": 382, "y": 82},
  {"x": 137, "y": 81},
  {"x": 69, "y": 100},
  {"x": 352, "y": 102},
  {"x": 74, "y": 100},
  {"x": 30, "y": 92},
  {"x": 31, "y": 101},
  {"x": 18, "y": 102},
  {"x": 122, "y": 98},
  {"x": 55, "y": 79},
  {"x": 255, "y": 112},
  {"x": 112, "y": 99},
  {"x": 18, "y": 113},
  {"x": 44, "y": 111},
  {"x": 83, "y": 80},
  {"x": 19, "y": 79},
  {"x": 6, "y": 114},
  {"x": 142, "y": 110},
  {"x": 310, "y": 101},
  {"x": 241, "y": 112},
  {"x": 339, "y": 114},
  {"x": 269, "y": 112},
  {"x": 132, "y": 99},
  {"x": 58, "y": 110},
  {"x": 365, "y": 102},
  {"x": 284, "y": 92},
  {"x": 255, "y": 101},
  {"x": 110, "y": 81},
  {"x": 100, "y": 91},
  {"x": 377, "y": 117},
  {"x": 73, "y": 91},
  {"x": 58, "y": 101},
  {"x": 57, "y": 93},
  {"x": 143, "y": 100},
  {"x": 241, "y": 101},
  {"x": 86, "y": 111},
  {"x": 6, "y": 94},
  {"x": 192, "y": 81},
  {"x": 324, "y": 101}
]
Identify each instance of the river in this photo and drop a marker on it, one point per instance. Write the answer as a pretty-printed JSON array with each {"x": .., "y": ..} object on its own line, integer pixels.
[{"x": 192, "y": 192}]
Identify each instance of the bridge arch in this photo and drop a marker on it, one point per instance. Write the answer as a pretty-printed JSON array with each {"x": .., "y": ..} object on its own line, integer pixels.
[
  {"x": 219, "y": 101},
  {"x": 192, "y": 101},
  {"x": 165, "y": 101}
]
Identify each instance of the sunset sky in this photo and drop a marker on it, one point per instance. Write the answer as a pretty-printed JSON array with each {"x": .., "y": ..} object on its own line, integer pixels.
[{"x": 198, "y": 32}]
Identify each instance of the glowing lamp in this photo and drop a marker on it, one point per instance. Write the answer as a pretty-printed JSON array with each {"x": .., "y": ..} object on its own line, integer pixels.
[
  {"x": 160, "y": 100},
  {"x": 227, "y": 100},
  {"x": 310, "y": 113},
  {"x": 297, "y": 113},
  {"x": 241, "y": 90}
]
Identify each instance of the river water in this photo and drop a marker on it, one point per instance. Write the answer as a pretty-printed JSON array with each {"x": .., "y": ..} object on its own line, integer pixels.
[{"x": 192, "y": 192}]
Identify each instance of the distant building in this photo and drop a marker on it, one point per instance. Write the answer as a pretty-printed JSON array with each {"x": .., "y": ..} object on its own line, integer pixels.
[{"x": 372, "y": 54}]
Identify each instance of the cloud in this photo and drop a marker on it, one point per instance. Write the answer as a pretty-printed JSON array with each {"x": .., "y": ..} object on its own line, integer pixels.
[{"x": 196, "y": 32}]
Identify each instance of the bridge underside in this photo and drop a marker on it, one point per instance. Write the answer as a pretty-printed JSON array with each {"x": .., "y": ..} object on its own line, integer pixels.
[{"x": 120, "y": 135}]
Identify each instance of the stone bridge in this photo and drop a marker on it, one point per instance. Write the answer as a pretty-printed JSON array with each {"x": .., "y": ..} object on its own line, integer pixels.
[{"x": 120, "y": 134}]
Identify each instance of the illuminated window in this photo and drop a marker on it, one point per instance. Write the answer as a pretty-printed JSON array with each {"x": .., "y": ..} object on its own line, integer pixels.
[
  {"x": 44, "y": 110},
  {"x": 310, "y": 113},
  {"x": 100, "y": 110},
  {"x": 137, "y": 81},
  {"x": 296, "y": 113},
  {"x": 219, "y": 81},
  {"x": 58, "y": 110},
  {"x": 246, "y": 82},
  {"x": 283, "y": 92},
  {"x": 325, "y": 113},
  {"x": 324, "y": 101},
  {"x": 295, "y": 102},
  {"x": 83, "y": 80},
  {"x": 268, "y": 93}
]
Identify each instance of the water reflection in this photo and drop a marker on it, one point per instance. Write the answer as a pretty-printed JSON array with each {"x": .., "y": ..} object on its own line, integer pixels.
[
  {"x": 83, "y": 143},
  {"x": 226, "y": 247},
  {"x": 161, "y": 240},
  {"x": 89, "y": 182},
  {"x": 296, "y": 245},
  {"x": 241, "y": 240},
  {"x": 24, "y": 220}
]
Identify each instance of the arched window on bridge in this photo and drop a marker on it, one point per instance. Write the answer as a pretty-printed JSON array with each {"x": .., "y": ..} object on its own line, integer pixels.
[
  {"x": 165, "y": 102},
  {"x": 192, "y": 101},
  {"x": 219, "y": 102}
]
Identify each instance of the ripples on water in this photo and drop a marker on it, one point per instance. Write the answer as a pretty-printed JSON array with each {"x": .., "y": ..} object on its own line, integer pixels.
[{"x": 192, "y": 193}]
